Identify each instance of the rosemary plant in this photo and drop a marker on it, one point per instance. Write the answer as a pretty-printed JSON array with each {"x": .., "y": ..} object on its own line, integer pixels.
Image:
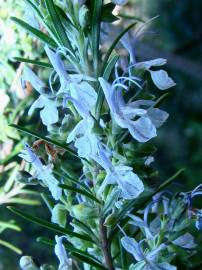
[{"x": 101, "y": 117}]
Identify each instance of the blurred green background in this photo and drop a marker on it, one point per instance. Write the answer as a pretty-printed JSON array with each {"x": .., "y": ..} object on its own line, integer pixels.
[{"x": 178, "y": 37}]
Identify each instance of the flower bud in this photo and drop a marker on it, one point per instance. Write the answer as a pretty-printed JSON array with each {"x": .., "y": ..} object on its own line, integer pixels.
[
  {"x": 84, "y": 16},
  {"x": 83, "y": 212},
  {"x": 110, "y": 220},
  {"x": 59, "y": 215},
  {"x": 27, "y": 263}
]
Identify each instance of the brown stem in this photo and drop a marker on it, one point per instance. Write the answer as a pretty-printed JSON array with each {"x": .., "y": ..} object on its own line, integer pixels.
[{"x": 105, "y": 245}]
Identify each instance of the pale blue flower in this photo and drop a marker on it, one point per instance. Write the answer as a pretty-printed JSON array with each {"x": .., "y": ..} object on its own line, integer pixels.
[
  {"x": 76, "y": 85},
  {"x": 157, "y": 199},
  {"x": 128, "y": 182},
  {"x": 142, "y": 224},
  {"x": 48, "y": 105},
  {"x": 65, "y": 262},
  {"x": 151, "y": 229},
  {"x": 188, "y": 198},
  {"x": 185, "y": 241},
  {"x": 59, "y": 67},
  {"x": 43, "y": 172},
  {"x": 144, "y": 128},
  {"x": 148, "y": 260}
]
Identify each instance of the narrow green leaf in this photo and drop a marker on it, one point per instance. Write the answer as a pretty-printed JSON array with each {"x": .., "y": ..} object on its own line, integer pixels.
[
  {"x": 116, "y": 41},
  {"x": 161, "y": 99},
  {"x": 48, "y": 201},
  {"x": 39, "y": 136},
  {"x": 135, "y": 205},
  {"x": 80, "y": 191},
  {"x": 35, "y": 32},
  {"x": 10, "y": 246},
  {"x": 9, "y": 225},
  {"x": 11, "y": 179},
  {"x": 89, "y": 261},
  {"x": 24, "y": 201},
  {"x": 106, "y": 74},
  {"x": 48, "y": 225},
  {"x": 85, "y": 228},
  {"x": 169, "y": 180},
  {"x": 57, "y": 24},
  {"x": 129, "y": 17},
  {"x": 42, "y": 18},
  {"x": 95, "y": 26},
  {"x": 34, "y": 62}
]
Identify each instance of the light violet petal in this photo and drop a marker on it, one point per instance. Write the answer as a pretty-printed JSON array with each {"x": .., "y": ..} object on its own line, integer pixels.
[
  {"x": 49, "y": 114},
  {"x": 57, "y": 63},
  {"x": 87, "y": 145},
  {"x": 109, "y": 179},
  {"x": 132, "y": 247},
  {"x": 167, "y": 266},
  {"x": 185, "y": 241},
  {"x": 142, "y": 130},
  {"x": 127, "y": 43},
  {"x": 30, "y": 76},
  {"x": 130, "y": 184},
  {"x": 109, "y": 94},
  {"x": 38, "y": 104},
  {"x": 153, "y": 255},
  {"x": 161, "y": 79},
  {"x": 120, "y": 2},
  {"x": 84, "y": 93},
  {"x": 79, "y": 129},
  {"x": 152, "y": 63},
  {"x": 60, "y": 250},
  {"x": 157, "y": 116}
]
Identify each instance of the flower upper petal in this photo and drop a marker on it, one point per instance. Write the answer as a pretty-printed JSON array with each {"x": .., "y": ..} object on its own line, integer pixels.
[
  {"x": 152, "y": 63},
  {"x": 49, "y": 114},
  {"x": 129, "y": 183},
  {"x": 30, "y": 76}
]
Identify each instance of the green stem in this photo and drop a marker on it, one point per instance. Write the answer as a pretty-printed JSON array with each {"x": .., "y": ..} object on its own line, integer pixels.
[{"x": 105, "y": 245}]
